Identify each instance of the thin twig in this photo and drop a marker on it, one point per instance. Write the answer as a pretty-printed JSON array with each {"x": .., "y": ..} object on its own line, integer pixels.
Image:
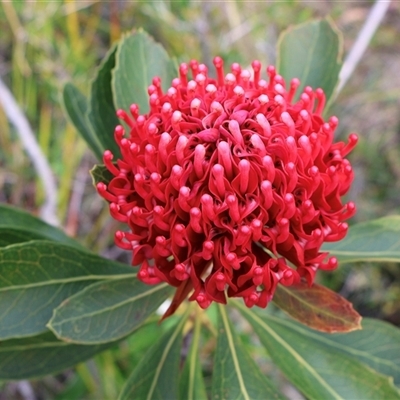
[
  {"x": 26, "y": 390},
  {"x": 39, "y": 161},
  {"x": 20, "y": 389},
  {"x": 372, "y": 23}
]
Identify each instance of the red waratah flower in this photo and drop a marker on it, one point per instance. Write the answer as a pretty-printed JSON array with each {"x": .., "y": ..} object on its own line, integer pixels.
[{"x": 228, "y": 186}]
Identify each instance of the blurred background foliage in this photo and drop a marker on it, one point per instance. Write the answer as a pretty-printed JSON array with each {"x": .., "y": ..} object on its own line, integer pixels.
[{"x": 44, "y": 44}]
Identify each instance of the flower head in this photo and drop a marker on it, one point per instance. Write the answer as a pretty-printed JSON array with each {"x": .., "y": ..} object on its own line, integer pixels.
[{"x": 229, "y": 186}]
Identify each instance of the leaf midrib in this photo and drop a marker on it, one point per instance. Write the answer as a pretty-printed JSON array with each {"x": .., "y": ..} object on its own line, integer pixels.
[
  {"x": 66, "y": 280},
  {"x": 34, "y": 346},
  {"x": 165, "y": 354},
  {"x": 367, "y": 254},
  {"x": 106, "y": 309},
  {"x": 335, "y": 344},
  {"x": 311, "y": 306},
  {"x": 233, "y": 353},
  {"x": 294, "y": 353},
  {"x": 193, "y": 358}
]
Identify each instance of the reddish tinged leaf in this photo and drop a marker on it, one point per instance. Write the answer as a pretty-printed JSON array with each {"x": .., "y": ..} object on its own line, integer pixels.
[
  {"x": 180, "y": 295},
  {"x": 318, "y": 307}
]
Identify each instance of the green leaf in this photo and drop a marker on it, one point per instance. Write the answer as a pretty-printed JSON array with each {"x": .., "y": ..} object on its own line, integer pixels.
[
  {"x": 143, "y": 338},
  {"x": 374, "y": 241},
  {"x": 36, "y": 276},
  {"x": 11, "y": 236},
  {"x": 235, "y": 374},
  {"x": 101, "y": 112},
  {"x": 317, "y": 307},
  {"x": 315, "y": 369},
  {"x": 100, "y": 173},
  {"x": 377, "y": 344},
  {"x": 15, "y": 218},
  {"x": 41, "y": 355},
  {"x": 311, "y": 52},
  {"x": 106, "y": 311},
  {"x": 139, "y": 59},
  {"x": 156, "y": 375},
  {"x": 75, "y": 106},
  {"x": 191, "y": 385}
]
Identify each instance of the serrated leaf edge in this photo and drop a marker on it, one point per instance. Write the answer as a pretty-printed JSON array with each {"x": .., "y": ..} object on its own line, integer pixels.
[
  {"x": 118, "y": 66},
  {"x": 339, "y": 57}
]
